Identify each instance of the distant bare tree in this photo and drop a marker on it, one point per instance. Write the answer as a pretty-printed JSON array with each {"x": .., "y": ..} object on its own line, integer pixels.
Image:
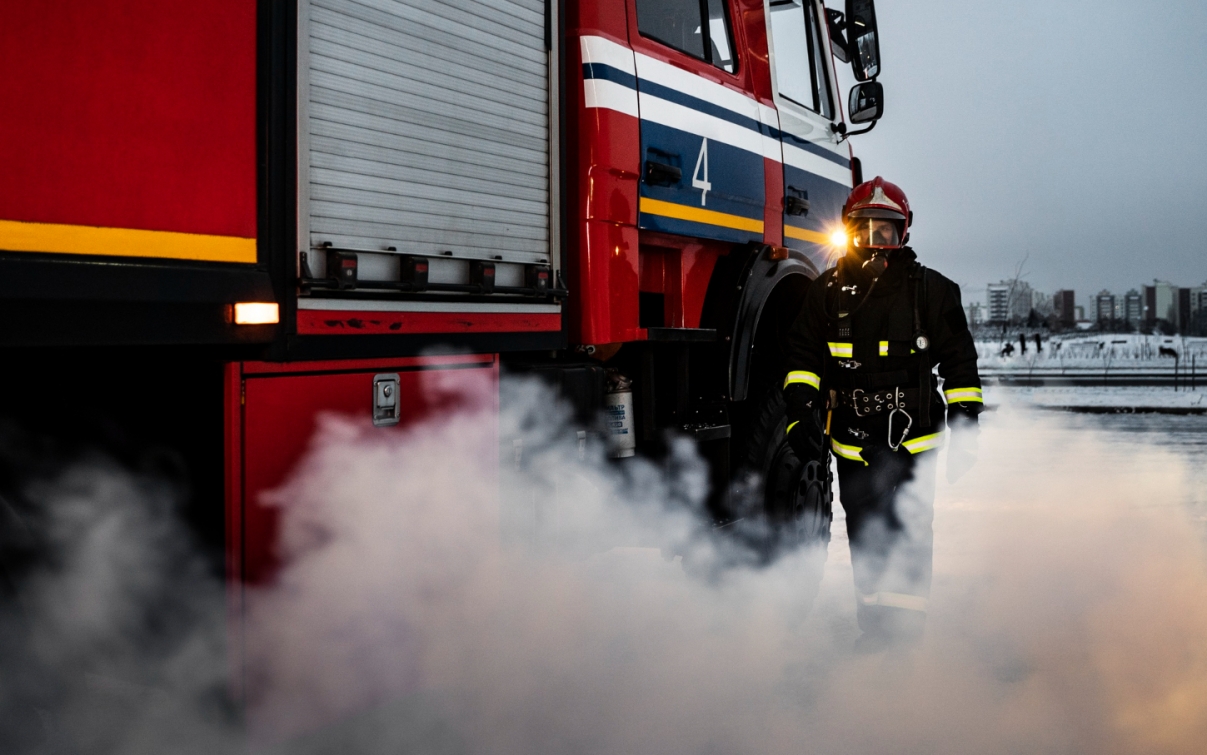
[{"x": 1019, "y": 274}]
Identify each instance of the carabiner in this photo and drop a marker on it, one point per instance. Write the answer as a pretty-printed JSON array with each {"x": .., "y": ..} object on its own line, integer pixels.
[{"x": 909, "y": 422}]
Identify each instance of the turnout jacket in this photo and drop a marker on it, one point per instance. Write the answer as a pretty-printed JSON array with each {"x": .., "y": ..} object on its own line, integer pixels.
[{"x": 865, "y": 346}]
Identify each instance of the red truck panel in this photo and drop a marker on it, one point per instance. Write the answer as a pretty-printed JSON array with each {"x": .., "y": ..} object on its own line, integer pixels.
[
  {"x": 279, "y": 408},
  {"x": 272, "y": 415},
  {"x": 340, "y": 322},
  {"x": 126, "y": 119},
  {"x": 680, "y": 269},
  {"x": 603, "y": 171}
]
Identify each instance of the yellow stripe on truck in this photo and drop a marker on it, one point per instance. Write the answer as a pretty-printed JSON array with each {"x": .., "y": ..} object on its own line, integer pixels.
[
  {"x": 699, "y": 215},
  {"x": 804, "y": 234},
  {"x": 54, "y": 238}
]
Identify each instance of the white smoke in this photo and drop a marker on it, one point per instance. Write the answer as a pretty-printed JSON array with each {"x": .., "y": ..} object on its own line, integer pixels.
[
  {"x": 434, "y": 600},
  {"x": 112, "y": 637}
]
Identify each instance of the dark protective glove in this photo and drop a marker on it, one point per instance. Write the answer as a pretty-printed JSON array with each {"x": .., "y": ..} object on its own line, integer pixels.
[
  {"x": 805, "y": 438},
  {"x": 962, "y": 449},
  {"x": 804, "y": 421}
]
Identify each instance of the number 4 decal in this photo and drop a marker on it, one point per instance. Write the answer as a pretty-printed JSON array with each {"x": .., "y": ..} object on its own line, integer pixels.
[{"x": 698, "y": 182}]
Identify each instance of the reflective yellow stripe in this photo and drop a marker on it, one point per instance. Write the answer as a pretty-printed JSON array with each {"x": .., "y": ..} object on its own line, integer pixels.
[
  {"x": 847, "y": 452},
  {"x": 802, "y": 376},
  {"x": 894, "y": 600},
  {"x": 55, "y": 238},
  {"x": 792, "y": 425},
  {"x": 698, "y": 215},
  {"x": 843, "y": 350},
  {"x": 804, "y": 234},
  {"x": 971, "y": 395},
  {"x": 924, "y": 443}
]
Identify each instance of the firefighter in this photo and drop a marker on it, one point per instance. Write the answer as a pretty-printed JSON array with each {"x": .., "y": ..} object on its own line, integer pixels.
[{"x": 860, "y": 381}]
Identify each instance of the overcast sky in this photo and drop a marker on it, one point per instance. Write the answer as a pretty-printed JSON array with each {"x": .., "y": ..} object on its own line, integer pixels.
[{"x": 1071, "y": 131}]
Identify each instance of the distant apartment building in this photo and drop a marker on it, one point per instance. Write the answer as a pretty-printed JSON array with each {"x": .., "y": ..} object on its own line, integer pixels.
[
  {"x": 975, "y": 311},
  {"x": 1161, "y": 303},
  {"x": 1104, "y": 306},
  {"x": 1009, "y": 301},
  {"x": 1132, "y": 308},
  {"x": 1184, "y": 310},
  {"x": 1063, "y": 307},
  {"x": 1198, "y": 311}
]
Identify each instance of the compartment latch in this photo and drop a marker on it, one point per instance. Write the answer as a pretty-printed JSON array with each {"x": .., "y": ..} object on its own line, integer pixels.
[{"x": 385, "y": 400}]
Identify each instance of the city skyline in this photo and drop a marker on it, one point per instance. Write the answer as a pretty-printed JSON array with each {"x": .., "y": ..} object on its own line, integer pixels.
[{"x": 1162, "y": 304}]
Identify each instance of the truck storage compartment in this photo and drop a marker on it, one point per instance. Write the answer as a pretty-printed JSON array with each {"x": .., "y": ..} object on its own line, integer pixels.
[
  {"x": 274, "y": 412},
  {"x": 427, "y": 169}
]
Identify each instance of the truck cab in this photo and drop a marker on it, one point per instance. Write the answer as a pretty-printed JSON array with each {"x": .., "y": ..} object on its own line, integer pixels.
[{"x": 700, "y": 127}]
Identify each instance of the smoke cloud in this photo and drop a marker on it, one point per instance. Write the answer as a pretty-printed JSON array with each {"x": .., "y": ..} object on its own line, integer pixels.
[{"x": 436, "y": 600}]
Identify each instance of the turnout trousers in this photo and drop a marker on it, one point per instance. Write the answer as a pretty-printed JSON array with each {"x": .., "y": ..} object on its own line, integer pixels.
[{"x": 889, "y": 503}]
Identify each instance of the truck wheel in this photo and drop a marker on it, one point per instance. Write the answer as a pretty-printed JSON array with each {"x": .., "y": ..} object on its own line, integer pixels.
[{"x": 789, "y": 497}]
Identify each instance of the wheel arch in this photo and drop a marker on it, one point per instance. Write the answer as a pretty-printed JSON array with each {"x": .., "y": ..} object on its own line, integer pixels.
[{"x": 750, "y": 285}]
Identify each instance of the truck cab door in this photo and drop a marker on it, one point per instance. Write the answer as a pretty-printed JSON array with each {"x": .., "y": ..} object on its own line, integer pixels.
[
  {"x": 817, "y": 166},
  {"x": 702, "y": 141}
]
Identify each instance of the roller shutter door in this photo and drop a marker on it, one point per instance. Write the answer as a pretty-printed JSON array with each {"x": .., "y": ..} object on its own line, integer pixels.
[{"x": 427, "y": 124}]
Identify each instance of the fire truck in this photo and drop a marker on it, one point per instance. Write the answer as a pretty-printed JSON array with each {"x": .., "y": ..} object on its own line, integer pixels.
[{"x": 219, "y": 220}]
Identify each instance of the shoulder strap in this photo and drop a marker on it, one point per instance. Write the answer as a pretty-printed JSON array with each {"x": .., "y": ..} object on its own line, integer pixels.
[{"x": 918, "y": 296}]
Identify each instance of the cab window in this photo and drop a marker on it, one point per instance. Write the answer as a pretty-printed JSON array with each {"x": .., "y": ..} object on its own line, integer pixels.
[
  {"x": 800, "y": 53},
  {"x": 701, "y": 30}
]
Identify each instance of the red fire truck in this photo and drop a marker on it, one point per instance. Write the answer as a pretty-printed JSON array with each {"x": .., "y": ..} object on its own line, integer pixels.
[{"x": 219, "y": 219}]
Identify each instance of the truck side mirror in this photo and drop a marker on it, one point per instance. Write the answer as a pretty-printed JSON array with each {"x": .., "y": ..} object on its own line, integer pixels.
[
  {"x": 866, "y": 102},
  {"x": 863, "y": 41}
]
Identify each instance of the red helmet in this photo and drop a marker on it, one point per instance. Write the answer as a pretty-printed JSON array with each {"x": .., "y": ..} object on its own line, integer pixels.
[{"x": 877, "y": 200}]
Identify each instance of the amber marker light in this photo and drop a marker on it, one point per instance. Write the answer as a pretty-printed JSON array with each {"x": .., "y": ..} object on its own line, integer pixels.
[{"x": 257, "y": 313}]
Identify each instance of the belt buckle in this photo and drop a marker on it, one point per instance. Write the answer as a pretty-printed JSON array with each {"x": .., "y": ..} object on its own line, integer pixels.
[{"x": 855, "y": 395}]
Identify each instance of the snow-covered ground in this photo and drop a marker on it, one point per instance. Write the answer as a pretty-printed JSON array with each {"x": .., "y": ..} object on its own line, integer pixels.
[{"x": 1098, "y": 353}]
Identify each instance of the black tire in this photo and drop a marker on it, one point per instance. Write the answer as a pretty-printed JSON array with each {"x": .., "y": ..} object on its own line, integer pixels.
[{"x": 785, "y": 502}]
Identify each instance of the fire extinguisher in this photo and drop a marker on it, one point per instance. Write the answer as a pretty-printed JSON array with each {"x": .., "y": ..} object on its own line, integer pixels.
[{"x": 618, "y": 412}]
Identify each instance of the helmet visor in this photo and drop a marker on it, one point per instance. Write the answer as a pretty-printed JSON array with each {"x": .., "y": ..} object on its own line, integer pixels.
[{"x": 875, "y": 233}]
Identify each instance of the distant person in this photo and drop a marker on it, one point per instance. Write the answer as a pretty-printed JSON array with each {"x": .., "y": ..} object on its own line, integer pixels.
[
  {"x": 1007, "y": 350},
  {"x": 860, "y": 360}
]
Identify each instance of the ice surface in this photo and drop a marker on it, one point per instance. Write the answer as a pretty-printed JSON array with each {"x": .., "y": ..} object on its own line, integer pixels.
[{"x": 1123, "y": 397}]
